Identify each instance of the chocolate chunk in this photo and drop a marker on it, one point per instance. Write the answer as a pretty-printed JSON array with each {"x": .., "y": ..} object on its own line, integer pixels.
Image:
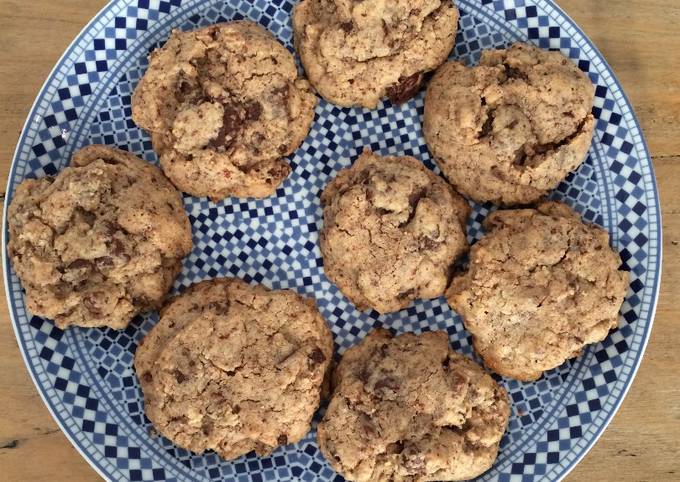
[
  {"x": 514, "y": 73},
  {"x": 414, "y": 462},
  {"x": 367, "y": 425},
  {"x": 219, "y": 307},
  {"x": 395, "y": 448},
  {"x": 179, "y": 376},
  {"x": 317, "y": 356},
  {"x": 543, "y": 148},
  {"x": 415, "y": 197},
  {"x": 347, "y": 27},
  {"x": 232, "y": 123},
  {"x": 406, "y": 88},
  {"x": 207, "y": 427},
  {"x": 487, "y": 127},
  {"x": 140, "y": 301},
  {"x": 78, "y": 264},
  {"x": 388, "y": 382},
  {"x": 117, "y": 247},
  {"x": 181, "y": 419},
  {"x": 183, "y": 90},
  {"x": 282, "y": 439},
  {"x": 147, "y": 377},
  {"x": 109, "y": 228},
  {"x": 413, "y": 201},
  {"x": 281, "y": 91},
  {"x": 406, "y": 294},
  {"x": 104, "y": 262},
  {"x": 253, "y": 110},
  {"x": 520, "y": 157},
  {"x": 91, "y": 305},
  {"x": 428, "y": 243}
]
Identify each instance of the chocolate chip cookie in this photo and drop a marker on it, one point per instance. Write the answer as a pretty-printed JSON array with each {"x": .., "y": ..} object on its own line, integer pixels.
[
  {"x": 234, "y": 368},
  {"x": 409, "y": 408},
  {"x": 224, "y": 105},
  {"x": 356, "y": 53},
  {"x": 510, "y": 129},
  {"x": 392, "y": 231},
  {"x": 541, "y": 285},
  {"x": 100, "y": 242}
]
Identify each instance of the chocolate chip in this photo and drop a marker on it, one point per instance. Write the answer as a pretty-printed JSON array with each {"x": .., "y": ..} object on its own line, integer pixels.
[
  {"x": 111, "y": 161},
  {"x": 543, "y": 148},
  {"x": 104, "y": 262},
  {"x": 413, "y": 201},
  {"x": 405, "y": 88},
  {"x": 283, "y": 148},
  {"x": 395, "y": 448},
  {"x": 367, "y": 425},
  {"x": 427, "y": 243},
  {"x": 253, "y": 110},
  {"x": 207, "y": 427},
  {"x": 232, "y": 123},
  {"x": 317, "y": 356},
  {"x": 406, "y": 294},
  {"x": 109, "y": 228},
  {"x": 117, "y": 247},
  {"x": 235, "y": 409},
  {"x": 459, "y": 430},
  {"x": 514, "y": 73},
  {"x": 388, "y": 382},
  {"x": 488, "y": 124},
  {"x": 414, "y": 462},
  {"x": 180, "y": 419},
  {"x": 282, "y": 439},
  {"x": 230, "y": 373},
  {"x": 79, "y": 263},
  {"x": 91, "y": 305},
  {"x": 183, "y": 91},
  {"x": 179, "y": 376},
  {"x": 520, "y": 157},
  {"x": 347, "y": 27},
  {"x": 415, "y": 197},
  {"x": 147, "y": 377},
  {"x": 281, "y": 95},
  {"x": 219, "y": 307}
]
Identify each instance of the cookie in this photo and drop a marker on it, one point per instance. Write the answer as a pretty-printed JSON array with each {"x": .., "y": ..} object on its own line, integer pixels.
[
  {"x": 392, "y": 231},
  {"x": 541, "y": 285},
  {"x": 510, "y": 129},
  {"x": 409, "y": 408},
  {"x": 356, "y": 53},
  {"x": 234, "y": 368},
  {"x": 99, "y": 243},
  {"x": 224, "y": 106}
]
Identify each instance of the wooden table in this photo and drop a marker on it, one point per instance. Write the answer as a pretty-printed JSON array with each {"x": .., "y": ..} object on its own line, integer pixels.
[{"x": 641, "y": 41}]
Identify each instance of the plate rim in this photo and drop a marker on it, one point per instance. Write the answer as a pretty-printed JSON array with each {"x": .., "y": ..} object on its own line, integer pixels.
[
  {"x": 657, "y": 278},
  {"x": 552, "y": 4}
]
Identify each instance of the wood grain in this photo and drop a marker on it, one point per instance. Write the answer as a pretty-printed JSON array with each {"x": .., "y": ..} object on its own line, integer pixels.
[{"x": 639, "y": 38}]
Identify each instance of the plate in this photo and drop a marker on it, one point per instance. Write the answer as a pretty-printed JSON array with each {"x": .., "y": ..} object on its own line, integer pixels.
[{"x": 85, "y": 376}]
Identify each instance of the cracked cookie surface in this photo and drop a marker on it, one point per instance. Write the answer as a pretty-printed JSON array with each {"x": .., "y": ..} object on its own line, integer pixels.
[
  {"x": 224, "y": 105},
  {"x": 234, "y": 368},
  {"x": 392, "y": 231},
  {"x": 409, "y": 408},
  {"x": 100, "y": 242},
  {"x": 510, "y": 129},
  {"x": 356, "y": 53},
  {"x": 540, "y": 286}
]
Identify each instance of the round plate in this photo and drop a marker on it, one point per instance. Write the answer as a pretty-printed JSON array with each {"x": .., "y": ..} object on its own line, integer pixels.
[{"x": 85, "y": 376}]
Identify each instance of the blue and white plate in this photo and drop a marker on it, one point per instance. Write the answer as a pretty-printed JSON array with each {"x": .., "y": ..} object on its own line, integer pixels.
[{"x": 85, "y": 376}]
